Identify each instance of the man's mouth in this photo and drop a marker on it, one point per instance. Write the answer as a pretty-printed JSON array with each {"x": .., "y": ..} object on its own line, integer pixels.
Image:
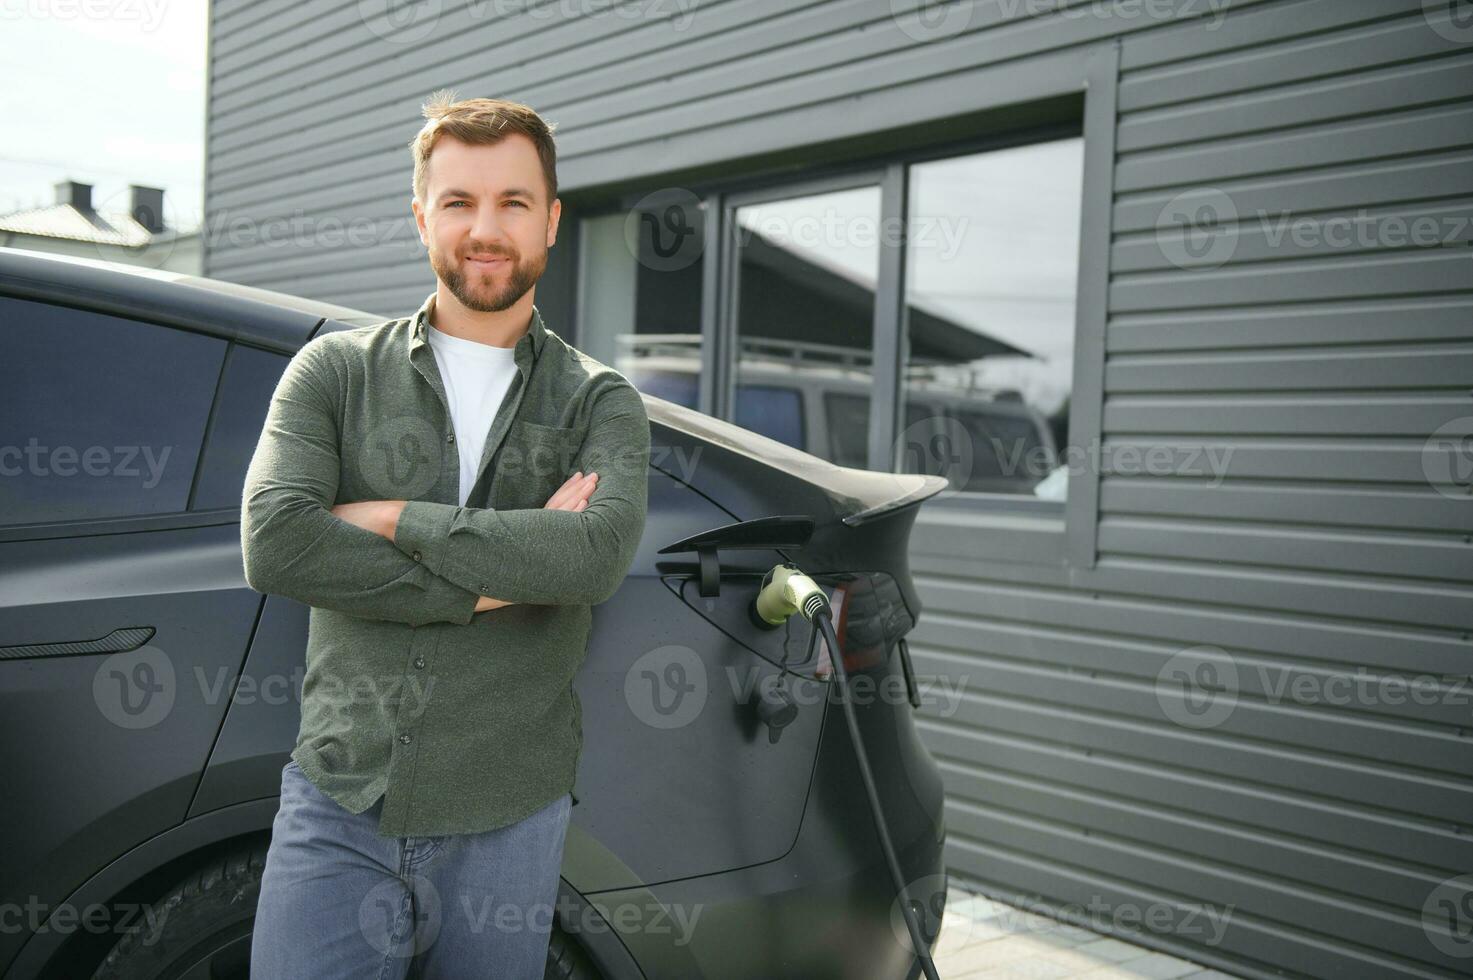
[{"x": 487, "y": 262}]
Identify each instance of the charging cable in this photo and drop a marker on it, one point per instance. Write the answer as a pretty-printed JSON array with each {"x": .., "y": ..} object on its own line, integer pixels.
[{"x": 788, "y": 591}]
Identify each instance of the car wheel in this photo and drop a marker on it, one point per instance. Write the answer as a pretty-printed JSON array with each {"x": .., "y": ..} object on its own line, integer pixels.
[{"x": 200, "y": 929}]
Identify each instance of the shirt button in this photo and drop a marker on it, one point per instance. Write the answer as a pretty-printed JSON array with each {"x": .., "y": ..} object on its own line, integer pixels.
[
  {"x": 419, "y": 663},
  {"x": 486, "y": 589},
  {"x": 417, "y": 556},
  {"x": 404, "y": 738},
  {"x": 450, "y": 438}
]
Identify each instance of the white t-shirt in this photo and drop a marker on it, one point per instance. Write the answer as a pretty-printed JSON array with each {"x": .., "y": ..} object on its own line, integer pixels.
[{"x": 477, "y": 377}]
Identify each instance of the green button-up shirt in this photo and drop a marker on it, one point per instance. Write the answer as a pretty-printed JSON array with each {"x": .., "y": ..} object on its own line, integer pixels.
[{"x": 463, "y": 721}]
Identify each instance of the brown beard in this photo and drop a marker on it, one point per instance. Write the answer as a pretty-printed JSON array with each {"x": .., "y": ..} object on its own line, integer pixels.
[{"x": 523, "y": 276}]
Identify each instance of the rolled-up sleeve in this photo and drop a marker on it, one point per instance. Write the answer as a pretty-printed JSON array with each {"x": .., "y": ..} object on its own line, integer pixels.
[
  {"x": 291, "y": 542},
  {"x": 541, "y": 556}
]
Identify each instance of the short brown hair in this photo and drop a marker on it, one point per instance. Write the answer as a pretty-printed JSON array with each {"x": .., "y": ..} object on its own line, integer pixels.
[{"x": 481, "y": 122}]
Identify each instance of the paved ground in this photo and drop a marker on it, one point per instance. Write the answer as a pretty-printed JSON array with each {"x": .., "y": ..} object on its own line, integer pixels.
[{"x": 985, "y": 940}]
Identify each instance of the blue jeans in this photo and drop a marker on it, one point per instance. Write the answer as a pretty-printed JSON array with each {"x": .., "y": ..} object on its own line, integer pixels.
[{"x": 337, "y": 900}]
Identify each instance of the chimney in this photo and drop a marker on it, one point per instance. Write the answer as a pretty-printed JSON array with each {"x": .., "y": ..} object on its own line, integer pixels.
[
  {"x": 146, "y": 205},
  {"x": 78, "y": 195}
]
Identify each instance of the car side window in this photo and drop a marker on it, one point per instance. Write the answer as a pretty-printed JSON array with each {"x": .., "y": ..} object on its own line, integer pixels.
[
  {"x": 100, "y": 416},
  {"x": 245, "y": 395},
  {"x": 773, "y": 410},
  {"x": 847, "y": 419}
]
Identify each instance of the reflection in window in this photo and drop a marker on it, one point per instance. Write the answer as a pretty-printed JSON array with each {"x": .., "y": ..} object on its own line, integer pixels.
[
  {"x": 775, "y": 411},
  {"x": 992, "y": 265},
  {"x": 640, "y": 293},
  {"x": 805, "y": 314}
]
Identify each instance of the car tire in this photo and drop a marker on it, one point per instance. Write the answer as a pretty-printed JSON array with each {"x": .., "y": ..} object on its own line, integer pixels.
[{"x": 207, "y": 919}]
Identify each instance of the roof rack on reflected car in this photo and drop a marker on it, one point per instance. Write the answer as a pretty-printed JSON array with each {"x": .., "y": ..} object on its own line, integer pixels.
[{"x": 938, "y": 377}]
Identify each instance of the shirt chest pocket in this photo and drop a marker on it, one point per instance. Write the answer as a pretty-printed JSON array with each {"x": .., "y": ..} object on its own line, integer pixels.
[{"x": 532, "y": 463}]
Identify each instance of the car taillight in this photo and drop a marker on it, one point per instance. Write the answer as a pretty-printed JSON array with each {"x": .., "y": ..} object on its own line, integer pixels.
[{"x": 858, "y": 626}]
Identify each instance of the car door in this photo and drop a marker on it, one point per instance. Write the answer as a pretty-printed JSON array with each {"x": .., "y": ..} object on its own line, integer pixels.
[{"x": 124, "y": 615}]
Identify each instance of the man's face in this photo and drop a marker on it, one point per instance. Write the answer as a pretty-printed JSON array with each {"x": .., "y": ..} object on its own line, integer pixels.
[{"x": 487, "y": 203}]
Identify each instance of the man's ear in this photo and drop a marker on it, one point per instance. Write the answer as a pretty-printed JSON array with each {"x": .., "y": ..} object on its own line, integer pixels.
[
  {"x": 554, "y": 215},
  {"x": 419, "y": 221}
]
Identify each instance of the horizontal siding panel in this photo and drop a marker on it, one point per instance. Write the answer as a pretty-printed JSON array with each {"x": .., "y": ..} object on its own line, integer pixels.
[
  {"x": 1225, "y": 758},
  {"x": 1349, "y": 277},
  {"x": 1375, "y": 553},
  {"x": 1400, "y": 320},
  {"x": 1388, "y": 602},
  {"x": 1388, "y": 933},
  {"x": 1328, "y": 189},
  {"x": 1357, "y": 460},
  {"x": 1155, "y": 614},
  {"x": 1379, "y": 837},
  {"x": 1412, "y": 509},
  {"x": 1364, "y": 94},
  {"x": 1252, "y": 27},
  {"x": 1372, "y": 882},
  {"x": 1343, "y": 699},
  {"x": 333, "y": 246},
  {"x": 1287, "y": 237},
  {"x": 1009, "y": 537},
  {"x": 1297, "y": 60},
  {"x": 1367, "y": 603},
  {"x": 1253, "y": 946},
  {"x": 1352, "y": 750},
  {"x": 650, "y": 44},
  {"x": 1398, "y": 414},
  {"x": 1429, "y": 366},
  {"x": 1404, "y": 134}
]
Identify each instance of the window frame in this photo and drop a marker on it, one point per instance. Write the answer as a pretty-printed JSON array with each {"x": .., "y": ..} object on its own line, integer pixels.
[
  {"x": 135, "y": 523},
  {"x": 1025, "y": 529}
]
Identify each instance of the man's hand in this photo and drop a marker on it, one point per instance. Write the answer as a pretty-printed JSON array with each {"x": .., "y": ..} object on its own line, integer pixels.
[
  {"x": 572, "y": 495},
  {"x": 382, "y": 516}
]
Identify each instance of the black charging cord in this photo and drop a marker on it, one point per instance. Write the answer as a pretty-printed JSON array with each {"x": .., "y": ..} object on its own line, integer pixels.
[{"x": 823, "y": 619}]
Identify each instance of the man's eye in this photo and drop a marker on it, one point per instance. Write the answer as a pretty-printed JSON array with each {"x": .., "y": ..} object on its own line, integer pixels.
[
  {"x": 454, "y": 203},
  {"x": 517, "y": 203}
]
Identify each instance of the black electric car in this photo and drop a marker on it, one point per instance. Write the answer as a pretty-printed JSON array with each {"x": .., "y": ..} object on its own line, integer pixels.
[{"x": 149, "y": 698}]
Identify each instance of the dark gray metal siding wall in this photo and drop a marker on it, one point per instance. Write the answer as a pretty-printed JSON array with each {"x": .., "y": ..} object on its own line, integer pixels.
[{"x": 1323, "y": 828}]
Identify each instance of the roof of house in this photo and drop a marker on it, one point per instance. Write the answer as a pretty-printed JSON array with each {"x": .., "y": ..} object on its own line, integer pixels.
[{"x": 101, "y": 227}]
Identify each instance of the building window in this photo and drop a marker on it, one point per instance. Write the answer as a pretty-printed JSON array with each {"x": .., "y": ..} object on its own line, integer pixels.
[
  {"x": 991, "y": 272},
  {"x": 807, "y": 267},
  {"x": 991, "y": 262},
  {"x": 640, "y": 291}
]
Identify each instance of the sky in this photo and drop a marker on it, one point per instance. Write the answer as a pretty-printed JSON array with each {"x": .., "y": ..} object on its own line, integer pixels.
[{"x": 113, "y": 93}]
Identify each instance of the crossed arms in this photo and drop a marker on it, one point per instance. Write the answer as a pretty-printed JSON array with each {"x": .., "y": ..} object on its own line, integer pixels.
[{"x": 297, "y": 542}]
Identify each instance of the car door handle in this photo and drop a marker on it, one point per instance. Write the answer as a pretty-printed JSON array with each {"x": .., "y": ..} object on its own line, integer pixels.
[{"x": 119, "y": 640}]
